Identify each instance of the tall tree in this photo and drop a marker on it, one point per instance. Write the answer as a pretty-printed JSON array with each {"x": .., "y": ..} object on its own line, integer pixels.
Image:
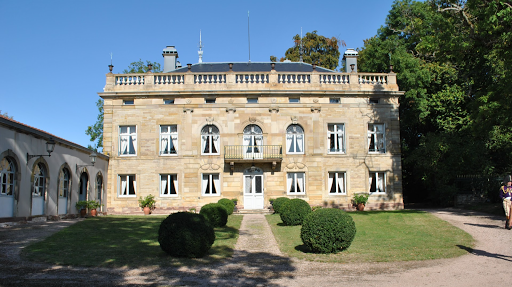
[
  {"x": 96, "y": 130},
  {"x": 316, "y": 49},
  {"x": 452, "y": 58}
]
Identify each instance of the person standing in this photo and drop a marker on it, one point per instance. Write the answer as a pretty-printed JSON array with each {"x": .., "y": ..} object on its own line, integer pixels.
[{"x": 506, "y": 196}]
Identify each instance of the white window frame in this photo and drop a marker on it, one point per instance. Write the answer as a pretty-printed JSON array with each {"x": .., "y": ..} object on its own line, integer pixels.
[
  {"x": 8, "y": 179},
  {"x": 380, "y": 183},
  {"x": 338, "y": 181},
  {"x": 122, "y": 186},
  {"x": 171, "y": 138},
  {"x": 377, "y": 138},
  {"x": 39, "y": 187},
  {"x": 211, "y": 139},
  {"x": 210, "y": 184},
  {"x": 170, "y": 180},
  {"x": 337, "y": 132},
  {"x": 294, "y": 140},
  {"x": 65, "y": 183},
  {"x": 126, "y": 138},
  {"x": 296, "y": 183}
]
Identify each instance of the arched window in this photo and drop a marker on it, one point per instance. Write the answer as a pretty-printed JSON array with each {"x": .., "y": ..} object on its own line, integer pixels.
[
  {"x": 7, "y": 176},
  {"x": 99, "y": 187},
  {"x": 295, "y": 139},
  {"x": 253, "y": 139},
  {"x": 39, "y": 181},
  {"x": 64, "y": 182},
  {"x": 210, "y": 139}
]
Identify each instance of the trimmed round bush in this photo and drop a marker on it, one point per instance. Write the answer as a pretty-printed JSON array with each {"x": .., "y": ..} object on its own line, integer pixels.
[
  {"x": 278, "y": 202},
  {"x": 328, "y": 230},
  {"x": 215, "y": 213},
  {"x": 228, "y": 204},
  {"x": 186, "y": 234},
  {"x": 294, "y": 211}
]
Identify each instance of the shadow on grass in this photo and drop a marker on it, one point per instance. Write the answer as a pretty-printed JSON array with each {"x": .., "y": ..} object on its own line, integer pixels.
[
  {"x": 401, "y": 211},
  {"x": 479, "y": 252}
]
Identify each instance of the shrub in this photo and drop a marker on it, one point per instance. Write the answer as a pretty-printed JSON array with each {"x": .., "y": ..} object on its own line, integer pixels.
[
  {"x": 278, "y": 202},
  {"x": 215, "y": 213},
  {"x": 294, "y": 211},
  {"x": 186, "y": 234},
  {"x": 228, "y": 204},
  {"x": 328, "y": 230}
]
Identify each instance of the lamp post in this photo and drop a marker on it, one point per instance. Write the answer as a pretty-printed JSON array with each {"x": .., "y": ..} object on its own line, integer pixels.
[
  {"x": 92, "y": 157},
  {"x": 50, "y": 146}
]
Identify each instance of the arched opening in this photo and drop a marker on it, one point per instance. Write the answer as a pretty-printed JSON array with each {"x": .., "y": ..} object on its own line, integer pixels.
[
  {"x": 7, "y": 186},
  {"x": 82, "y": 188},
  {"x": 40, "y": 175}
]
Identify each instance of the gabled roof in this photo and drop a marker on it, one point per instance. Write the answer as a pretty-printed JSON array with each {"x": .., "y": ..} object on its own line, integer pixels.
[{"x": 252, "y": 67}]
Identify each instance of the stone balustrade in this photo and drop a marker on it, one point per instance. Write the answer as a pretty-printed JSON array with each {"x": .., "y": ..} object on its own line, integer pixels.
[{"x": 241, "y": 81}]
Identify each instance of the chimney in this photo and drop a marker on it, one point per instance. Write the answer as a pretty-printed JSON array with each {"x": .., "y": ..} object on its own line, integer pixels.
[
  {"x": 350, "y": 58},
  {"x": 170, "y": 55}
]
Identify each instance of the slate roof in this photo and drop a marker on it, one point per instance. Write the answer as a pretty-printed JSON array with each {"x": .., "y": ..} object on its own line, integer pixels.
[{"x": 252, "y": 67}]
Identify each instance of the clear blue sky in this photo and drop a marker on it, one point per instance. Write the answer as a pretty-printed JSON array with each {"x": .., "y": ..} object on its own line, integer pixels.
[{"x": 54, "y": 54}]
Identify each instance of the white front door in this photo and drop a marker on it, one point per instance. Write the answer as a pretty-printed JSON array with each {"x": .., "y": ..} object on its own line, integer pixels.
[{"x": 253, "y": 190}]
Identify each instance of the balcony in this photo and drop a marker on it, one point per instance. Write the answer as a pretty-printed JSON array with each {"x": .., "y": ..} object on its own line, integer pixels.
[{"x": 252, "y": 153}]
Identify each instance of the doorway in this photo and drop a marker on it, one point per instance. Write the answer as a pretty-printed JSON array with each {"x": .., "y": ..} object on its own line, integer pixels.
[{"x": 253, "y": 188}]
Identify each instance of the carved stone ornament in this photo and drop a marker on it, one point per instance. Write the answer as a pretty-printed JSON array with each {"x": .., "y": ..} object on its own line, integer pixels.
[
  {"x": 274, "y": 100},
  {"x": 294, "y": 120},
  {"x": 189, "y": 101},
  {"x": 273, "y": 109},
  {"x": 315, "y": 100},
  {"x": 295, "y": 165},
  {"x": 188, "y": 110},
  {"x": 316, "y": 109},
  {"x": 209, "y": 120},
  {"x": 252, "y": 119},
  {"x": 230, "y": 110}
]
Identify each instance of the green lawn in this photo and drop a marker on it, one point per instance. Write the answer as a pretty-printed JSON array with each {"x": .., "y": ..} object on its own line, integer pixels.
[
  {"x": 115, "y": 241},
  {"x": 383, "y": 236}
]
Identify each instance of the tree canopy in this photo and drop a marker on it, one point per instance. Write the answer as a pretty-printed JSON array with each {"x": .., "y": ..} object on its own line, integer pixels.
[
  {"x": 453, "y": 62},
  {"x": 316, "y": 49},
  {"x": 140, "y": 67}
]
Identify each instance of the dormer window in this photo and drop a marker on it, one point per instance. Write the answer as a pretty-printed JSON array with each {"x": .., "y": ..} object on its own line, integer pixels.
[
  {"x": 210, "y": 100},
  {"x": 334, "y": 100},
  {"x": 128, "y": 102},
  {"x": 252, "y": 100},
  {"x": 169, "y": 102}
]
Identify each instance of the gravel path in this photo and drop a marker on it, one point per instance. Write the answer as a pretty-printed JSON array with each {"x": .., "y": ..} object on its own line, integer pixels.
[{"x": 258, "y": 262}]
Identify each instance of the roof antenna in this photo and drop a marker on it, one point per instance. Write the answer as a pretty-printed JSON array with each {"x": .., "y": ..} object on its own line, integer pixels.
[
  {"x": 300, "y": 47},
  {"x": 200, "y": 52},
  {"x": 249, "y": 36}
]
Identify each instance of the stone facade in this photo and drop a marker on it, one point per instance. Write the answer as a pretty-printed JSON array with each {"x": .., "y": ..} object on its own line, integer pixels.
[{"x": 259, "y": 115}]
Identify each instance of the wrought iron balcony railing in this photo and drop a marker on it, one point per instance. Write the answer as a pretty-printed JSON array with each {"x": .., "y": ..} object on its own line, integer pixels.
[{"x": 253, "y": 152}]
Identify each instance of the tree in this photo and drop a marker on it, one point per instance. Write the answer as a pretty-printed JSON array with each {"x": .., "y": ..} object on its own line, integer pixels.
[
  {"x": 452, "y": 59},
  {"x": 315, "y": 49},
  {"x": 96, "y": 131},
  {"x": 5, "y": 115},
  {"x": 140, "y": 67}
]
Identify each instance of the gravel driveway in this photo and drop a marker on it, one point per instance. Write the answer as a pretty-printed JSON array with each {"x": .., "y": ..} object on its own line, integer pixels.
[{"x": 257, "y": 261}]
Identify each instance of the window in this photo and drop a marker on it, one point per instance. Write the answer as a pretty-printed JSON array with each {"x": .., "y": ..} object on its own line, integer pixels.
[
  {"x": 373, "y": 100},
  {"x": 169, "y": 102},
  {"x": 99, "y": 187},
  {"x": 39, "y": 181},
  {"x": 253, "y": 142},
  {"x": 336, "y": 138},
  {"x": 295, "y": 139},
  {"x": 64, "y": 182},
  {"x": 127, "y": 185},
  {"x": 252, "y": 100},
  {"x": 210, "y": 100},
  {"x": 296, "y": 183},
  {"x": 377, "y": 182},
  {"x": 294, "y": 100},
  {"x": 7, "y": 177},
  {"x": 168, "y": 185},
  {"x": 376, "y": 139},
  {"x": 168, "y": 140},
  {"x": 210, "y": 140},
  {"x": 337, "y": 183},
  {"x": 211, "y": 184},
  {"x": 334, "y": 100},
  {"x": 127, "y": 140},
  {"x": 128, "y": 102}
]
